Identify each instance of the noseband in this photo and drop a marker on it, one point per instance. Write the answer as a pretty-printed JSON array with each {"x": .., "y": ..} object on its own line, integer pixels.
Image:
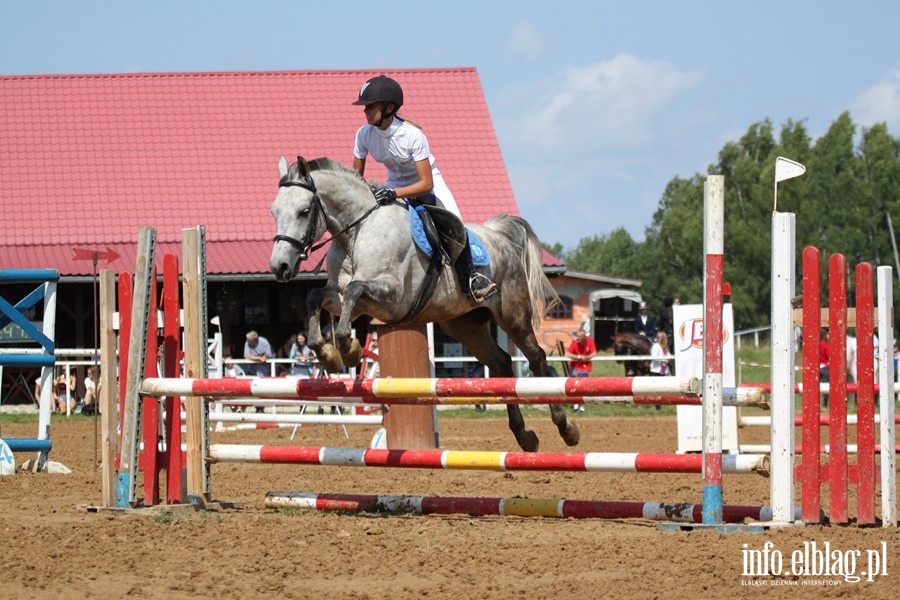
[{"x": 306, "y": 243}]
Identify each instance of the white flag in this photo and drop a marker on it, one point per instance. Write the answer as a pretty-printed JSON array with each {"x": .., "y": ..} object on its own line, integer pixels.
[{"x": 786, "y": 168}]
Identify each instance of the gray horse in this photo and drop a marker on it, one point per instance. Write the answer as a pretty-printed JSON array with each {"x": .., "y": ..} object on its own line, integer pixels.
[{"x": 375, "y": 269}]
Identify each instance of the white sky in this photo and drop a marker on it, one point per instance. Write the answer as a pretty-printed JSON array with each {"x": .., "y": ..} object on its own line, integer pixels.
[{"x": 597, "y": 104}]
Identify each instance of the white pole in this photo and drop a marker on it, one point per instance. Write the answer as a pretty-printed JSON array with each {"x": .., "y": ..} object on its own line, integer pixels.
[
  {"x": 45, "y": 405},
  {"x": 782, "y": 394},
  {"x": 886, "y": 396}
]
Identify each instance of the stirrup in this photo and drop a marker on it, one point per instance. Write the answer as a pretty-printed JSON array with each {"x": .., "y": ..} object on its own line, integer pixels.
[{"x": 481, "y": 287}]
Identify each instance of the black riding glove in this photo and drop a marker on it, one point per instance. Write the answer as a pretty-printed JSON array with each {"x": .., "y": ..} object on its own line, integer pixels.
[{"x": 385, "y": 195}]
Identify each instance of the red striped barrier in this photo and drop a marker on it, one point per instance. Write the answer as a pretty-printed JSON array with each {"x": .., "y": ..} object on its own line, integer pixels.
[
  {"x": 619, "y": 462},
  {"x": 447, "y": 390},
  {"x": 520, "y": 507}
]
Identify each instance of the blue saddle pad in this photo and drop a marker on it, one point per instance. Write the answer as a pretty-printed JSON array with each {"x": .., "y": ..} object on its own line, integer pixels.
[{"x": 480, "y": 257}]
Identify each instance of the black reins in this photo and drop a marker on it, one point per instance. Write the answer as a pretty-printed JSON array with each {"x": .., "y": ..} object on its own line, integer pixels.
[{"x": 305, "y": 245}]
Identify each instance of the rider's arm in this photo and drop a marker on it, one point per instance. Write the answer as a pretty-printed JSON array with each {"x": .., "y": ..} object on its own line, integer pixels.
[
  {"x": 423, "y": 186},
  {"x": 359, "y": 164}
]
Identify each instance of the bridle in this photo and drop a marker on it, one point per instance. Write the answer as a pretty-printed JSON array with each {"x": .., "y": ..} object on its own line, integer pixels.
[{"x": 305, "y": 245}]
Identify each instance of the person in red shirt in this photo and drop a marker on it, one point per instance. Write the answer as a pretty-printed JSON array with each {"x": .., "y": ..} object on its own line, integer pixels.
[{"x": 581, "y": 351}]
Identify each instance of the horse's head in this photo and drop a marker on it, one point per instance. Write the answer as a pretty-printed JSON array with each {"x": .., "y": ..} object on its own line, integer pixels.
[
  {"x": 628, "y": 344},
  {"x": 299, "y": 218}
]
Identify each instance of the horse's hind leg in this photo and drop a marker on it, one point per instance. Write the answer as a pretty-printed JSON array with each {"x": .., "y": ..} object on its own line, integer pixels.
[
  {"x": 472, "y": 331},
  {"x": 522, "y": 335},
  {"x": 568, "y": 430}
]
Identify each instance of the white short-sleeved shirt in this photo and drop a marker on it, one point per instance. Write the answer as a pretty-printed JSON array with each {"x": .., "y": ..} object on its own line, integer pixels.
[
  {"x": 399, "y": 147},
  {"x": 658, "y": 365}
]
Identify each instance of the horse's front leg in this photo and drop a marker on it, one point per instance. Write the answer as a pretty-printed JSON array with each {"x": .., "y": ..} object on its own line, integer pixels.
[
  {"x": 326, "y": 353},
  {"x": 350, "y": 348}
]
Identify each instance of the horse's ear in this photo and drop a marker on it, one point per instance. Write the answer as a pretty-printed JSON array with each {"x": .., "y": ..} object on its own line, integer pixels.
[
  {"x": 282, "y": 166},
  {"x": 302, "y": 168}
]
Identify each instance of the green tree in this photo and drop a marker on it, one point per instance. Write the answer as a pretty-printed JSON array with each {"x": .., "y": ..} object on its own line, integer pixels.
[
  {"x": 614, "y": 253},
  {"x": 674, "y": 242},
  {"x": 843, "y": 204}
]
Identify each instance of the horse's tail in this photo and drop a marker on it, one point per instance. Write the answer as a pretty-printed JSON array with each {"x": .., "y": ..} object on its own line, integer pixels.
[{"x": 521, "y": 235}]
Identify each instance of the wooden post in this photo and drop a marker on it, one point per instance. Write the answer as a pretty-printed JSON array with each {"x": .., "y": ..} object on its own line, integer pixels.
[
  {"x": 141, "y": 307},
  {"x": 403, "y": 352},
  {"x": 108, "y": 398},
  {"x": 195, "y": 364}
]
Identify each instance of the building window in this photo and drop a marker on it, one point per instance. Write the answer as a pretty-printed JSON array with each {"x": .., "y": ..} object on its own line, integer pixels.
[{"x": 563, "y": 310}]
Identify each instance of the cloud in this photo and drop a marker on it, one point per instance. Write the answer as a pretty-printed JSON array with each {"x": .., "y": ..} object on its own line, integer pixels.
[
  {"x": 589, "y": 139},
  {"x": 879, "y": 103},
  {"x": 525, "y": 41},
  {"x": 605, "y": 106}
]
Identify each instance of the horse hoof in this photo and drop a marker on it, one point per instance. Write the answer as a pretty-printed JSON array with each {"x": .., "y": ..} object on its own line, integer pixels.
[
  {"x": 572, "y": 434},
  {"x": 528, "y": 441},
  {"x": 354, "y": 355},
  {"x": 330, "y": 358}
]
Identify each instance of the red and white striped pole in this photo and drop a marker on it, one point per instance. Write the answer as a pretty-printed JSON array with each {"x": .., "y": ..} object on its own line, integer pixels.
[
  {"x": 714, "y": 250},
  {"x": 521, "y": 507}
]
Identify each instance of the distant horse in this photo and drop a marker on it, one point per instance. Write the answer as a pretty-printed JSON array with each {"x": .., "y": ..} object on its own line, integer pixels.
[
  {"x": 633, "y": 344},
  {"x": 375, "y": 269}
]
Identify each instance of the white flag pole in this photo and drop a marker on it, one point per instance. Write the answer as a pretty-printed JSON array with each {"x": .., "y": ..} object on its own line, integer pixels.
[{"x": 785, "y": 168}]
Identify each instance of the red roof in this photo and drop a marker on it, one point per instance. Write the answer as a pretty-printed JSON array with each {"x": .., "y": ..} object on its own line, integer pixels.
[{"x": 85, "y": 160}]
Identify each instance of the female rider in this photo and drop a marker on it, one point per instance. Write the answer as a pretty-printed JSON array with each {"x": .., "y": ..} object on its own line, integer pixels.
[{"x": 403, "y": 149}]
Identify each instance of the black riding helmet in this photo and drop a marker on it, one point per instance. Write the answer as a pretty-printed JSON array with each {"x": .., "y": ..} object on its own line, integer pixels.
[{"x": 380, "y": 89}]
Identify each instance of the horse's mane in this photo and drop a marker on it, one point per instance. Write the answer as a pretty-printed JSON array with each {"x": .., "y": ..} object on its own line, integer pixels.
[{"x": 329, "y": 164}]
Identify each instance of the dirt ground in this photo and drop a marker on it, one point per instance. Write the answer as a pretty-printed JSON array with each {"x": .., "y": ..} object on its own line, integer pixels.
[{"x": 52, "y": 548}]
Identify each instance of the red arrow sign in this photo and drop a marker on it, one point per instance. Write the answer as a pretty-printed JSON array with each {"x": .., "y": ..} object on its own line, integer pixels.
[{"x": 85, "y": 254}]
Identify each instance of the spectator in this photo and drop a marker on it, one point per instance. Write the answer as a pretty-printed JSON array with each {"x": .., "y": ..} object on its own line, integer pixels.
[
  {"x": 258, "y": 350},
  {"x": 91, "y": 391},
  {"x": 660, "y": 352},
  {"x": 581, "y": 351},
  {"x": 645, "y": 323},
  {"x": 373, "y": 369},
  {"x": 303, "y": 357},
  {"x": 64, "y": 398}
]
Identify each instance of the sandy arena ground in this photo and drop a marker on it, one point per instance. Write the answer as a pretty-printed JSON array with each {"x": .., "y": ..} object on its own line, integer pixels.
[{"x": 51, "y": 548}]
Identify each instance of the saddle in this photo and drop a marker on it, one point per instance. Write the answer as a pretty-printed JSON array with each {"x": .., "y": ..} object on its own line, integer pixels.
[
  {"x": 436, "y": 229},
  {"x": 444, "y": 239}
]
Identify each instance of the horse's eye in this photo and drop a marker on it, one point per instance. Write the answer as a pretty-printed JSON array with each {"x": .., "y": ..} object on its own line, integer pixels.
[{"x": 303, "y": 213}]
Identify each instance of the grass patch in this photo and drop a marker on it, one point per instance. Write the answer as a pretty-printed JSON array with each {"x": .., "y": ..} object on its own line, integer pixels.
[
  {"x": 542, "y": 411},
  {"x": 7, "y": 418}
]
